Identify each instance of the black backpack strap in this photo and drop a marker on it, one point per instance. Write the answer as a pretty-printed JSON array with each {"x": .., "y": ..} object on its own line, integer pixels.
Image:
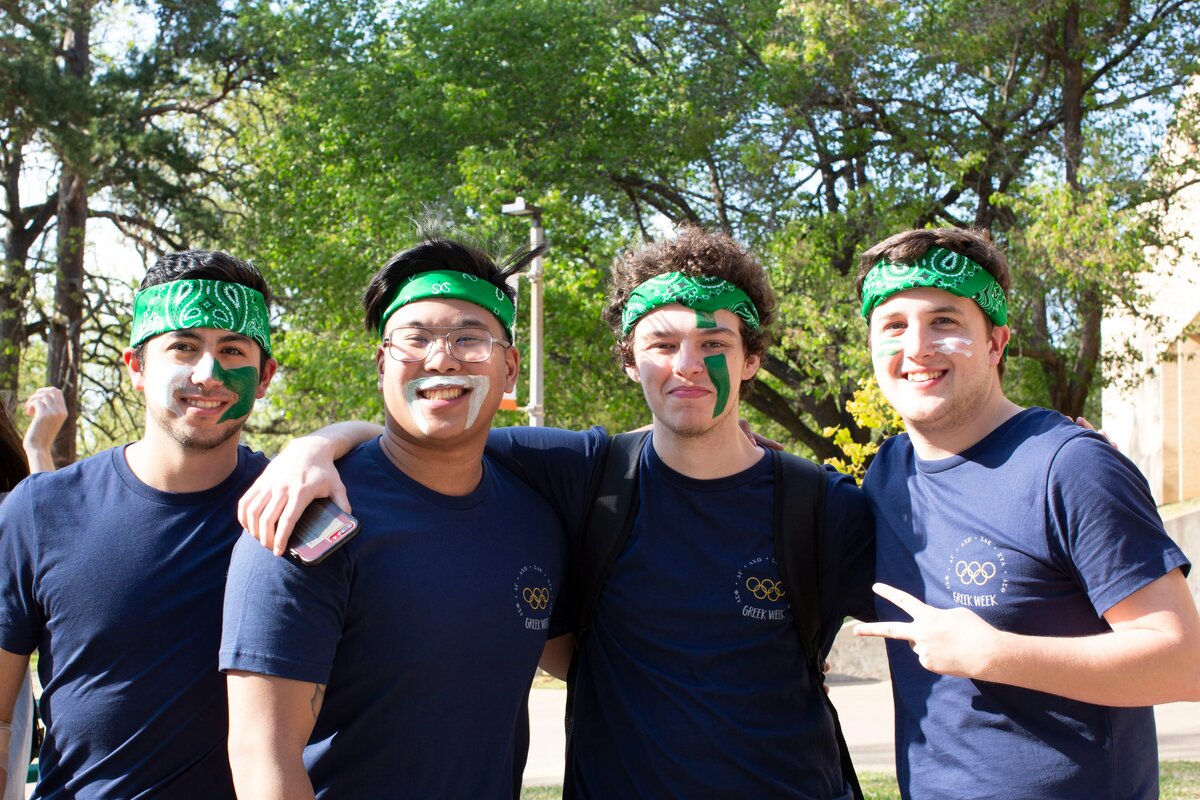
[
  {"x": 613, "y": 506},
  {"x": 799, "y": 523},
  {"x": 609, "y": 521}
]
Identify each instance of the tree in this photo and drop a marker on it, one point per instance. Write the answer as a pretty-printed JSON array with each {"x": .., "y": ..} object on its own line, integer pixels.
[
  {"x": 134, "y": 137},
  {"x": 808, "y": 129}
]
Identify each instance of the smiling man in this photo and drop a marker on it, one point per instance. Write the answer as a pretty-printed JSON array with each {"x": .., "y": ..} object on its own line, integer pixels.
[
  {"x": 400, "y": 665},
  {"x": 114, "y": 568},
  {"x": 1036, "y": 605}
]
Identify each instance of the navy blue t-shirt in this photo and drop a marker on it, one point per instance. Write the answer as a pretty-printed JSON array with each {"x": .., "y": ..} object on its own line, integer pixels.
[
  {"x": 1040, "y": 528},
  {"x": 692, "y": 681},
  {"x": 119, "y": 588},
  {"x": 426, "y": 629}
]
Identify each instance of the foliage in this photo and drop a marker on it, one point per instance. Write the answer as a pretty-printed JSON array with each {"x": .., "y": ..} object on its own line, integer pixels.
[
  {"x": 110, "y": 111},
  {"x": 808, "y": 129},
  {"x": 871, "y": 411}
]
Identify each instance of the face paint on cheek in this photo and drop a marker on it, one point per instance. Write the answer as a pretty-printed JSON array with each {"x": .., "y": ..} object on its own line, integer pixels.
[
  {"x": 477, "y": 385},
  {"x": 243, "y": 382},
  {"x": 954, "y": 345},
  {"x": 706, "y": 319},
  {"x": 888, "y": 348},
  {"x": 718, "y": 373},
  {"x": 163, "y": 384}
]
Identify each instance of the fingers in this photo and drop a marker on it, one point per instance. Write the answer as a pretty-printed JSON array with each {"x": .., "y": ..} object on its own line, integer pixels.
[
  {"x": 901, "y": 599},
  {"x": 47, "y": 401},
  {"x": 886, "y": 630}
]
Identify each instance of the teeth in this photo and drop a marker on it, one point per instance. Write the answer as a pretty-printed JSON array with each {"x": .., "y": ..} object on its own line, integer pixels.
[
  {"x": 204, "y": 403},
  {"x": 448, "y": 393},
  {"x": 916, "y": 377}
]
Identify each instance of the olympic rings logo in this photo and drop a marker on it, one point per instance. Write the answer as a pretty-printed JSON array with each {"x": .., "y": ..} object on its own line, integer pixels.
[
  {"x": 537, "y": 598},
  {"x": 765, "y": 588},
  {"x": 973, "y": 572}
]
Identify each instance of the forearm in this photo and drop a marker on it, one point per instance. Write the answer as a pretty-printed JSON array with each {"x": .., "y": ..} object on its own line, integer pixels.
[
  {"x": 39, "y": 459},
  {"x": 1138, "y": 667},
  {"x": 263, "y": 772},
  {"x": 342, "y": 437}
]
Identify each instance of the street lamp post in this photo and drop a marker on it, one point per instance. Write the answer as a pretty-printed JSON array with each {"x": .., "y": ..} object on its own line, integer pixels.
[{"x": 537, "y": 235}]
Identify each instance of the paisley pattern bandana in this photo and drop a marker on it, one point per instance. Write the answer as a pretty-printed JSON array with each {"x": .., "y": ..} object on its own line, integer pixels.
[
  {"x": 184, "y": 304},
  {"x": 702, "y": 293},
  {"x": 454, "y": 285},
  {"x": 938, "y": 268}
]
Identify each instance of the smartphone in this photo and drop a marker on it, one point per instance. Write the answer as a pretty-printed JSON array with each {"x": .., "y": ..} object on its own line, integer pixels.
[{"x": 321, "y": 530}]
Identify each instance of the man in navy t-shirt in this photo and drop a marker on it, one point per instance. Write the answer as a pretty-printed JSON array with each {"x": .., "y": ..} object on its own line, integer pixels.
[
  {"x": 400, "y": 666},
  {"x": 114, "y": 567},
  {"x": 1036, "y": 605},
  {"x": 692, "y": 681}
]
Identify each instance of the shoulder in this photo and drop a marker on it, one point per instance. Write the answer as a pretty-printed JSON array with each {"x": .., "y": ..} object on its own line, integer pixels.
[{"x": 551, "y": 440}]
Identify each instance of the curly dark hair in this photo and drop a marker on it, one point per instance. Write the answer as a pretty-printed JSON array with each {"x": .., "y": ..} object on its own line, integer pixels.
[{"x": 695, "y": 252}]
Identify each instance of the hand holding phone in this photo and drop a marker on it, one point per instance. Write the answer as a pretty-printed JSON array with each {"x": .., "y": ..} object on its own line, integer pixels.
[{"x": 321, "y": 530}]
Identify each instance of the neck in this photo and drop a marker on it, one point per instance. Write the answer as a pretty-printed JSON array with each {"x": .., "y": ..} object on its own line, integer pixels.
[
  {"x": 450, "y": 469},
  {"x": 933, "y": 442},
  {"x": 717, "y": 453},
  {"x": 162, "y": 463}
]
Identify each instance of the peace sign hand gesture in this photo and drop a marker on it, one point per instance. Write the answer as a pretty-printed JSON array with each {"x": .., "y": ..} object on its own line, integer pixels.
[{"x": 953, "y": 641}]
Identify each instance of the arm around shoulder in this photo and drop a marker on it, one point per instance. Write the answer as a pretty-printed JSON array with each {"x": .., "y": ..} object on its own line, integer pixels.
[{"x": 270, "y": 721}]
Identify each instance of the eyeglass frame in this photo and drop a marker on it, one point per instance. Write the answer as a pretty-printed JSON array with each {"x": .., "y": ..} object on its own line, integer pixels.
[{"x": 443, "y": 337}]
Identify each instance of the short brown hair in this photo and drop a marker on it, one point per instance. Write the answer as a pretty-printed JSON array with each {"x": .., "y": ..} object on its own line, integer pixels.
[
  {"x": 906, "y": 247},
  {"x": 694, "y": 251}
]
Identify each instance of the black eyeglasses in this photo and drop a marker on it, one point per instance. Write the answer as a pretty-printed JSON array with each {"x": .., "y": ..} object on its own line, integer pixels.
[{"x": 471, "y": 345}]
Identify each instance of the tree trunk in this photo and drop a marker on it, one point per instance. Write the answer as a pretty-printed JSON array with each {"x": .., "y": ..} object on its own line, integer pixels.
[{"x": 63, "y": 356}]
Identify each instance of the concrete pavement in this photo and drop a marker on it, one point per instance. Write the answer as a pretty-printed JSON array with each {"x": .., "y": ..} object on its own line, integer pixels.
[{"x": 865, "y": 708}]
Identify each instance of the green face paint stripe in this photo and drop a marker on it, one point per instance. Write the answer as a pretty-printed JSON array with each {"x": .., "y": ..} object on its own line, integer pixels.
[
  {"x": 706, "y": 319},
  {"x": 887, "y": 348},
  {"x": 718, "y": 373},
  {"x": 243, "y": 382}
]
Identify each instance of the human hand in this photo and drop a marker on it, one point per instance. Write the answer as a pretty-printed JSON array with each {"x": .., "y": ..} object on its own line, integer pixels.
[
  {"x": 1083, "y": 423},
  {"x": 302, "y": 472},
  {"x": 954, "y": 641},
  {"x": 49, "y": 411},
  {"x": 757, "y": 439}
]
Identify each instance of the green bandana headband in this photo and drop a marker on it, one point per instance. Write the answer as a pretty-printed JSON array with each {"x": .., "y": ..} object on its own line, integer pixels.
[
  {"x": 443, "y": 283},
  {"x": 938, "y": 268},
  {"x": 184, "y": 304},
  {"x": 700, "y": 293}
]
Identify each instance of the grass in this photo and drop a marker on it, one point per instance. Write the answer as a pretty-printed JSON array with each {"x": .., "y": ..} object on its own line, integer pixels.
[{"x": 1180, "y": 780}]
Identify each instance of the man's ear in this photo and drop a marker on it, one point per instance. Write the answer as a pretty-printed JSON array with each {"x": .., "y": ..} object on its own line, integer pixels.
[
  {"x": 512, "y": 367},
  {"x": 1000, "y": 336},
  {"x": 750, "y": 367},
  {"x": 264, "y": 378},
  {"x": 379, "y": 362},
  {"x": 133, "y": 365}
]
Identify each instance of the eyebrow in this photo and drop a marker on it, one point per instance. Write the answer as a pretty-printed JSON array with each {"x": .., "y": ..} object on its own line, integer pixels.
[
  {"x": 229, "y": 336},
  {"x": 653, "y": 331}
]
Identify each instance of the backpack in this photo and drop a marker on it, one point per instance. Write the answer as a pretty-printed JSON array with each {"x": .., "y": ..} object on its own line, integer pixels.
[{"x": 799, "y": 514}]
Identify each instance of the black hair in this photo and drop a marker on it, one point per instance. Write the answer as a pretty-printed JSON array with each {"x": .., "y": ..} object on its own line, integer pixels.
[
  {"x": 212, "y": 265},
  {"x": 435, "y": 252}
]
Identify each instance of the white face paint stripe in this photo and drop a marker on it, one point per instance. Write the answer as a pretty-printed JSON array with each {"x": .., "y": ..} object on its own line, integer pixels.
[
  {"x": 163, "y": 383},
  {"x": 954, "y": 345},
  {"x": 477, "y": 385},
  {"x": 204, "y": 368}
]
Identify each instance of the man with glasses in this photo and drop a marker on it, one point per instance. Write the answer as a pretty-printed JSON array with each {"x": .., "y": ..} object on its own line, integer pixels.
[{"x": 400, "y": 665}]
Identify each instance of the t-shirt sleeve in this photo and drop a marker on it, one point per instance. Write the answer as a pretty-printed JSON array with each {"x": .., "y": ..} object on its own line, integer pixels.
[
  {"x": 282, "y": 618},
  {"x": 1103, "y": 516},
  {"x": 849, "y": 553},
  {"x": 560, "y": 465},
  {"x": 21, "y": 617}
]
